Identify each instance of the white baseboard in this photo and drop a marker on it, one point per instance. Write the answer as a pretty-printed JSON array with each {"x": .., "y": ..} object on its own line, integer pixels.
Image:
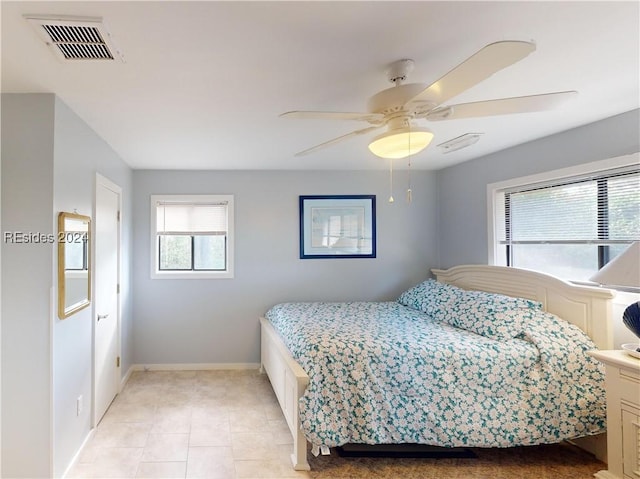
[
  {"x": 75, "y": 458},
  {"x": 193, "y": 367},
  {"x": 126, "y": 377}
]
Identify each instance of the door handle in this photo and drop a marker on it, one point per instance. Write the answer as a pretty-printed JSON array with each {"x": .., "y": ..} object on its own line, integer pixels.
[{"x": 103, "y": 316}]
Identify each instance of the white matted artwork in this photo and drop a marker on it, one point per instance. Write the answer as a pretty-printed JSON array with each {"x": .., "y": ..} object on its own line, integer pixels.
[{"x": 335, "y": 226}]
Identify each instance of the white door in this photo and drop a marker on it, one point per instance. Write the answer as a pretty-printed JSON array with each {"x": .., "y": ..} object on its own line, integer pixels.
[{"x": 106, "y": 310}]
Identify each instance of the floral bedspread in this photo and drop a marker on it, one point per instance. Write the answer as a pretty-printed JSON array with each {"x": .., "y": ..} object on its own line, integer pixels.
[{"x": 383, "y": 373}]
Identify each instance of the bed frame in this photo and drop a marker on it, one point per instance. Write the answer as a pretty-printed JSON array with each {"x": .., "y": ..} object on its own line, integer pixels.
[{"x": 587, "y": 307}]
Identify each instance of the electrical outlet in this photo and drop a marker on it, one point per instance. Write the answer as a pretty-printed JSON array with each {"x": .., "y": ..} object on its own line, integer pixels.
[{"x": 79, "y": 405}]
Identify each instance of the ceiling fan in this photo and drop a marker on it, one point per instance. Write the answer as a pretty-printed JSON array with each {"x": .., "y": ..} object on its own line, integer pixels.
[{"x": 397, "y": 107}]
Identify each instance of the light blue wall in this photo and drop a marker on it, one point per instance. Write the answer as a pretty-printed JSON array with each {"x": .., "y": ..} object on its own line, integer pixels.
[
  {"x": 27, "y": 198},
  {"x": 462, "y": 189},
  {"x": 49, "y": 161},
  {"x": 216, "y": 321},
  {"x": 78, "y": 155}
]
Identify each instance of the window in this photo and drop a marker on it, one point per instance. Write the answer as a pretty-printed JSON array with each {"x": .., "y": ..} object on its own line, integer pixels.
[
  {"x": 192, "y": 236},
  {"x": 76, "y": 255},
  {"x": 570, "y": 226}
]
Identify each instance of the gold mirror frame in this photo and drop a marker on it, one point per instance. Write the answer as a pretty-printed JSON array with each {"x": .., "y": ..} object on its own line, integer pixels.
[{"x": 74, "y": 263}]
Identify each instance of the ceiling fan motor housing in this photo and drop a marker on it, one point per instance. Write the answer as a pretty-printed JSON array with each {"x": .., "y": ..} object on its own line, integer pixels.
[{"x": 394, "y": 99}]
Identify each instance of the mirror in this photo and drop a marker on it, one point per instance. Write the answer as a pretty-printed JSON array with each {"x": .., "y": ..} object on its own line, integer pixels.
[{"x": 74, "y": 268}]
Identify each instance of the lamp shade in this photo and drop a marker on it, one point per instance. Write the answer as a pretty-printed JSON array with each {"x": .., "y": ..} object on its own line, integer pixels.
[
  {"x": 400, "y": 142},
  {"x": 623, "y": 271}
]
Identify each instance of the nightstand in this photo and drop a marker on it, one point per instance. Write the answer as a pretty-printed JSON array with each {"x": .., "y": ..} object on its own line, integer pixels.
[{"x": 622, "y": 383}]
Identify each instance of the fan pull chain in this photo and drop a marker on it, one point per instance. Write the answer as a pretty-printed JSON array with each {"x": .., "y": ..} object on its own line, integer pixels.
[
  {"x": 391, "y": 180},
  {"x": 409, "y": 192},
  {"x": 409, "y": 198}
]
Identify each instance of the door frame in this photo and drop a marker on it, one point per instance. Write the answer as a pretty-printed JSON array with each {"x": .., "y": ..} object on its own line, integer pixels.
[{"x": 103, "y": 182}]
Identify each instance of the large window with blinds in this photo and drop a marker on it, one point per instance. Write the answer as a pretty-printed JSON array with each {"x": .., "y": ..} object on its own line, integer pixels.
[
  {"x": 569, "y": 227},
  {"x": 193, "y": 236}
]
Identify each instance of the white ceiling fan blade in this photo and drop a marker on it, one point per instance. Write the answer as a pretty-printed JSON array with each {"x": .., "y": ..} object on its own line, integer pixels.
[
  {"x": 480, "y": 66},
  {"x": 503, "y": 106},
  {"x": 334, "y": 115},
  {"x": 337, "y": 140}
]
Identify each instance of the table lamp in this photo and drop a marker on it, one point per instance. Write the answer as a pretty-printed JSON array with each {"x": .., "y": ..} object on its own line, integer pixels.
[{"x": 624, "y": 273}]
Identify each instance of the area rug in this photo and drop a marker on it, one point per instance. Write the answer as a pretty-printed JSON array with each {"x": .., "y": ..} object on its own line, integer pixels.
[{"x": 558, "y": 461}]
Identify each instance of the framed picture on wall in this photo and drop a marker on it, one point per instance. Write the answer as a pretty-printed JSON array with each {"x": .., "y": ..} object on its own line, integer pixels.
[{"x": 337, "y": 226}]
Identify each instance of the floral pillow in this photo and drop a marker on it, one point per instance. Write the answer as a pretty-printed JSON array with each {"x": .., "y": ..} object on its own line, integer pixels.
[
  {"x": 431, "y": 297},
  {"x": 492, "y": 315}
]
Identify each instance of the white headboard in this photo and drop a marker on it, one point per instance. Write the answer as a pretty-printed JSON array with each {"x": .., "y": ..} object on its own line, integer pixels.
[{"x": 587, "y": 307}]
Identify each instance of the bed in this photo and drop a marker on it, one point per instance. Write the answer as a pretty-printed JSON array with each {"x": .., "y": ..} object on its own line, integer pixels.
[{"x": 479, "y": 383}]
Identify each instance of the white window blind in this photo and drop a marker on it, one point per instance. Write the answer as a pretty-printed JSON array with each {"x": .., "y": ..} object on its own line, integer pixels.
[
  {"x": 597, "y": 211},
  {"x": 192, "y": 236},
  {"x": 570, "y": 227},
  {"x": 198, "y": 219}
]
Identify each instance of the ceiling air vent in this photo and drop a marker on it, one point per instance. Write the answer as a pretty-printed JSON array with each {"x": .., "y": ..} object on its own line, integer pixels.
[
  {"x": 76, "y": 38},
  {"x": 460, "y": 142}
]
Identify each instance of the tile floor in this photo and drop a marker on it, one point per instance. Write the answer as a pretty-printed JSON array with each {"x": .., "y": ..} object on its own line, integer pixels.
[{"x": 191, "y": 424}]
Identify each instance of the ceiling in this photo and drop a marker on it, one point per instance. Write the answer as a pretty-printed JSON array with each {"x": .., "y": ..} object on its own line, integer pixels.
[{"x": 203, "y": 83}]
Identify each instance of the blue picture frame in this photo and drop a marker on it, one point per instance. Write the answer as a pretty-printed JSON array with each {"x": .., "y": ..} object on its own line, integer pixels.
[{"x": 337, "y": 226}]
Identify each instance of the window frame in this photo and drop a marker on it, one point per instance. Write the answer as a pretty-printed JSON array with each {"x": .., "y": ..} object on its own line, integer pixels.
[
  {"x": 157, "y": 273},
  {"x": 496, "y": 212},
  {"x": 85, "y": 254}
]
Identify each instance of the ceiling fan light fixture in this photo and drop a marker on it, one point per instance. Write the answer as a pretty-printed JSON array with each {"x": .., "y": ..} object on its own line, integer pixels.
[{"x": 401, "y": 142}]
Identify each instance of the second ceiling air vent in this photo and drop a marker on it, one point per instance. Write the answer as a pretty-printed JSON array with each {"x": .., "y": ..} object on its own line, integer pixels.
[{"x": 75, "y": 38}]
